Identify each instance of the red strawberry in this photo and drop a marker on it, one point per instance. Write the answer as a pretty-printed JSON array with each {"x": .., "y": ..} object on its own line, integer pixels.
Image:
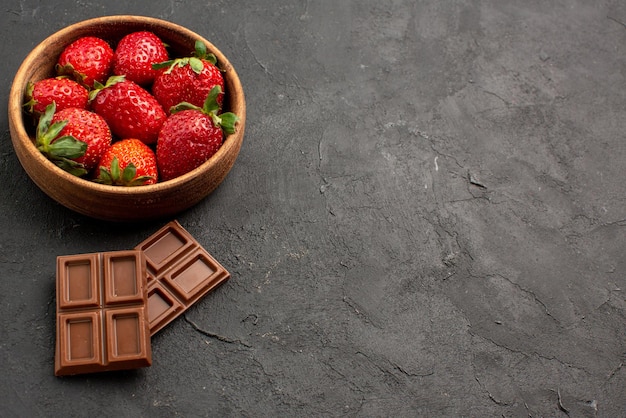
[
  {"x": 188, "y": 79},
  {"x": 128, "y": 162},
  {"x": 73, "y": 138},
  {"x": 130, "y": 110},
  {"x": 135, "y": 54},
  {"x": 87, "y": 59},
  {"x": 60, "y": 149},
  {"x": 89, "y": 128},
  {"x": 63, "y": 91},
  {"x": 191, "y": 135}
]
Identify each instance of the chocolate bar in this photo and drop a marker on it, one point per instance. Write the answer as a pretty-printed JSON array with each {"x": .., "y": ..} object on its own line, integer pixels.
[
  {"x": 102, "y": 320},
  {"x": 180, "y": 272}
]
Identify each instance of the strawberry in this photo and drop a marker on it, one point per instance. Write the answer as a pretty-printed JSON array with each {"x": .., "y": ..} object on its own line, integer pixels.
[
  {"x": 128, "y": 162},
  {"x": 89, "y": 128},
  {"x": 191, "y": 135},
  {"x": 60, "y": 149},
  {"x": 129, "y": 109},
  {"x": 135, "y": 54},
  {"x": 63, "y": 91},
  {"x": 188, "y": 79},
  {"x": 87, "y": 59},
  {"x": 73, "y": 138}
]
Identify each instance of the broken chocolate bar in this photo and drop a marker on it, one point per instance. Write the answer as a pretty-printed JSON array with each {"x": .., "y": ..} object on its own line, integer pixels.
[
  {"x": 180, "y": 272},
  {"x": 102, "y": 320}
]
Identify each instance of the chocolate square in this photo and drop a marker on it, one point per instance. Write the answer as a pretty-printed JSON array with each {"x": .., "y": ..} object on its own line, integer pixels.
[{"x": 102, "y": 319}]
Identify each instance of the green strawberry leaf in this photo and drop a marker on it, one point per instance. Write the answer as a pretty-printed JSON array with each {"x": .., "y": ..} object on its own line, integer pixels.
[
  {"x": 28, "y": 94},
  {"x": 67, "y": 147},
  {"x": 105, "y": 176},
  {"x": 70, "y": 166},
  {"x": 140, "y": 181},
  {"x": 195, "y": 61},
  {"x": 229, "y": 120},
  {"x": 129, "y": 173},
  {"x": 211, "y": 58},
  {"x": 124, "y": 178},
  {"x": 196, "y": 65},
  {"x": 115, "y": 169},
  {"x": 53, "y": 131},
  {"x": 202, "y": 53},
  {"x": 210, "y": 103},
  {"x": 226, "y": 121},
  {"x": 114, "y": 79},
  {"x": 200, "y": 49},
  {"x": 184, "y": 106},
  {"x": 164, "y": 64},
  {"x": 44, "y": 124},
  {"x": 98, "y": 87}
]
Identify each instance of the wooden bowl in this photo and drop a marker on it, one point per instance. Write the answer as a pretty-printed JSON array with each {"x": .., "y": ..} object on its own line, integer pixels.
[{"x": 116, "y": 203}]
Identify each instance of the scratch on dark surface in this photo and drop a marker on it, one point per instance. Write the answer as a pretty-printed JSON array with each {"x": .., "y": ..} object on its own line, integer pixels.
[
  {"x": 440, "y": 153},
  {"x": 254, "y": 318},
  {"x": 473, "y": 180},
  {"x": 23, "y": 11},
  {"x": 525, "y": 353},
  {"x": 384, "y": 371},
  {"x": 358, "y": 311},
  {"x": 619, "y": 222},
  {"x": 256, "y": 59},
  {"x": 531, "y": 293},
  {"x": 560, "y": 402},
  {"x": 617, "y": 21},
  {"x": 319, "y": 148},
  {"x": 489, "y": 394},
  {"x": 409, "y": 374},
  {"x": 614, "y": 371},
  {"x": 214, "y": 335},
  {"x": 491, "y": 93}
]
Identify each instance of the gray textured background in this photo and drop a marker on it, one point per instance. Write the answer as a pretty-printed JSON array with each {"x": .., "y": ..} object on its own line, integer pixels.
[{"x": 426, "y": 218}]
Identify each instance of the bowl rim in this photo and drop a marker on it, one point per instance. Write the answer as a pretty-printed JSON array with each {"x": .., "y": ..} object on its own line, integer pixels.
[{"x": 16, "y": 97}]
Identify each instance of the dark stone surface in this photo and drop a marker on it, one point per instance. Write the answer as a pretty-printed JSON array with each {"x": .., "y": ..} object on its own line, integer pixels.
[{"x": 426, "y": 218}]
